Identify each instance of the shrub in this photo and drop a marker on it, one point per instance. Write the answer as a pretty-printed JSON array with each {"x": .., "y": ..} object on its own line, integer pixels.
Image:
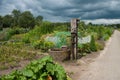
[
  {"x": 38, "y": 44},
  {"x": 13, "y": 31},
  {"x": 44, "y": 45},
  {"x": 106, "y": 37},
  {"x": 92, "y": 44},
  {"x": 32, "y": 35},
  {"x": 99, "y": 46},
  {"x": 84, "y": 48},
  {"x": 46, "y": 27}
]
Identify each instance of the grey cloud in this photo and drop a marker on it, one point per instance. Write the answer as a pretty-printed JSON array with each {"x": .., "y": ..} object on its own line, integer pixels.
[{"x": 63, "y": 10}]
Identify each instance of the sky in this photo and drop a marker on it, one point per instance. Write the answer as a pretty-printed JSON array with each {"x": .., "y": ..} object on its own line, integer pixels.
[{"x": 95, "y": 11}]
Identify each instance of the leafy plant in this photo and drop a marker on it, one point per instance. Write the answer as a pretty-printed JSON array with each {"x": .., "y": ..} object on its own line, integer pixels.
[
  {"x": 44, "y": 45},
  {"x": 40, "y": 69}
]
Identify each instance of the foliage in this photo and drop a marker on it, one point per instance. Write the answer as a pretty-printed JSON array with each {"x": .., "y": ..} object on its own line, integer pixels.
[
  {"x": 26, "y": 20},
  {"x": 38, "y": 20},
  {"x": 17, "y": 37},
  {"x": 40, "y": 69},
  {"x": 22, "y": 19},
  {"x": 35, "y": 34},
  {"x": 16, "y": 14},
  {"x": 12, "y": 31},
  {"x": 99, "y": 46},
  {"x": 92, "y": 44},
  {"x": 46, "y": 27},
  {"x": 58, "y": 26},
  {"x": 1, "y": 22},
  {"x": 12, "y": 53},
  {"x": 32, "y": 35},
  {"x": 61, "y": 28},
  {"x": 44, "y": 45},
  {"x": 84, "y": 48},
  {"x": 7, "y": 21}
]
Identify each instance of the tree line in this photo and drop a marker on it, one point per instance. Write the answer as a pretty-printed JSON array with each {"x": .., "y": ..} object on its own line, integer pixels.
[{"x": 20, "y": 19}]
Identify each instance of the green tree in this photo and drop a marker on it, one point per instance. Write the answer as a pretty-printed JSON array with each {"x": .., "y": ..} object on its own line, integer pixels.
[
  {"x": 26, "y": 20},
  {"x": 7, "y": 21},
  {"x": 15, "y": 14},
  {"x": 38, "y": 20},
  {"x": 1, "y": 22}
]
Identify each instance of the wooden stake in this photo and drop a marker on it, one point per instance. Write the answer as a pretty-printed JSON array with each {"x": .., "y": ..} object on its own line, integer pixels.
[{"x": 74, "y": 38}]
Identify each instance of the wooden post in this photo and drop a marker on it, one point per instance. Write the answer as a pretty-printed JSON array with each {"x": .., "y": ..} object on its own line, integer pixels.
[{"x": 74, "y": 38}]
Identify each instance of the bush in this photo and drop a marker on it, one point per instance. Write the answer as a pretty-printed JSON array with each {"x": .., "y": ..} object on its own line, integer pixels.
[
  {"x": 84, "y": 48},
  {"x": 99, "y": 46},
  {"x": 32, "y": 35},
  {"x": 44, "y": 45},
  {"x": 46, "y": 27},
  {"x": 92, "y": 44},
  {"x": 13, "y": 31},
  {"x": 106, "y": 37}
]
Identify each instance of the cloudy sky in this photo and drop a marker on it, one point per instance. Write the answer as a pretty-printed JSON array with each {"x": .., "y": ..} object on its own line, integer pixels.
[{"x": 96, "y": 11}]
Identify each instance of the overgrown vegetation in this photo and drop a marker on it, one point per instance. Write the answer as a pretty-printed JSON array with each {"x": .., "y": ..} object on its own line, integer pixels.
[{"x": 12, "y": 53}]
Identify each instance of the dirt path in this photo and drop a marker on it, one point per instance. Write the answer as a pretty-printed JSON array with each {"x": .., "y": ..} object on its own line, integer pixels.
[{"x": 107, "y": 65}]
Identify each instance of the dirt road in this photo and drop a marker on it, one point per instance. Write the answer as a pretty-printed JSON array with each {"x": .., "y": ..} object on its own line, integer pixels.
[{"x": 107, "y": 65}]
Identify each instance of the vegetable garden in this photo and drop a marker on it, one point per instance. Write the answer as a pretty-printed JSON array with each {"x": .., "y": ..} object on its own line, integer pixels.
[{"x": 18, "y": 44}]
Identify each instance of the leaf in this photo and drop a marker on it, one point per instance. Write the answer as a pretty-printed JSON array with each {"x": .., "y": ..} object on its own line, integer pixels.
[
  {"x": 43, "y": 76},
  {"x": 45, "y": 59},
  {"x": 22, "y": 78},
  {"x": 50, "y": 67},
  {"x": 34, "y": 62},
  {"x": 28, "y": 73}
]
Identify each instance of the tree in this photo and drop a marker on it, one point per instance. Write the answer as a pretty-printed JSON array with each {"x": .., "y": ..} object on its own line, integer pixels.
[
  {"x": 15, "y": 14},
  {"x": 38, "y": 20},
  {"x": 90, "y": 24},
  {"x": 7, "y": 21},
  {"x": 1, "y": 22},
  {"x": 26, "y": 20}
]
